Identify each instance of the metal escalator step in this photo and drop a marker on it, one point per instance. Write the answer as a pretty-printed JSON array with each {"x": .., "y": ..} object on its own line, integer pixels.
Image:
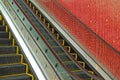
[
  {"x": 12, "y": 69},
  {"x": 58, "y": 50},
  {"x": 1, "y": 25},
  {"x": 4, "y": 35},
  {"x": 2, "y": 28},
  {"x": 7, "y": 49},
  {"x": 8, "y": 59},
  {"x": 47, "y": 36},
  {"x": 0, "y": 22},
  {"x": 71, "y": 65},
  {"x": 83, "y": 75},
  {"x": 64, "y": 57},
  {"x": 5, "y": 42},
  {"x": 18, "y": 77},
  {"x": 52, "y": 43}
]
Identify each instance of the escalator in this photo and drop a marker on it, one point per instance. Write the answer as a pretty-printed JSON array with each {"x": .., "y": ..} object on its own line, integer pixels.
[
  {"x": 65, "y": 53},
  {"x": 12, "y": 62},
  {"x": 68, "y": 64}
]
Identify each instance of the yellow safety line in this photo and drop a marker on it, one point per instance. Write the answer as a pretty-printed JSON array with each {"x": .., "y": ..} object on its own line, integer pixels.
[
  {"x": 91, "y": 79},
  {"x": 12, "y": 75},
  {"x": 8, "y": 54},
  {"x": 6, "y": 28},
  {"x": 3, "y": 22},
  {"x": 27, "y": 1},
  {"x": 40, "y": 16},
  {"x": 36, "y": 12},
  {"x": 8, "y": 64},
  {"x": 53, "y": 30},
  {"x": 48, "y": 25},
  {"x": 33, "y": 8},
  {"x": 30, "y": 4},
  {"x": 83, "y": 63},
  {"x": 0, "y": 17},
  {"x": 10, "y": 35},
  {"x": 31, "y": 76},
  {"x": 21, "y": 58},
  {"x": 17, "y": 49},
  {"x": 58, "y": 36},
  {"x": 69, "y": 48},
  {"x": 76, "y": 71},
  {"x": 63, "y": 42},
  {"x": 44, "y": 20},
  {"x": 26, "y": 67},
  {"x": 91, "y": 72},
  {"x": 75, "y": 56},
  {"x": 13, "y": 42}
]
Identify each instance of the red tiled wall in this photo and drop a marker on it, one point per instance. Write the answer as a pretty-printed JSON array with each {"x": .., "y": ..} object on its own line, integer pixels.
[
  {"x": 101, "y": 16},
  {"x": 98, "y": 15}
]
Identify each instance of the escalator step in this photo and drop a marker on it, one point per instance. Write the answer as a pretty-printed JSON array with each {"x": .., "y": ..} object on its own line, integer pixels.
[
  {"x": 2, "y": 28},
  {"x": 1, "y": 25},
  {"x": 8, "y": 59},
  {"x": 71, "y": 65},
  {"x": 7, "y": 49},
  {"x": 58, "y": 50},
  {"x": 18, "y": 77},
  {"x": 64, "y": 57},
  {"x": 52, "y": 43},
  {"x": 83, "y": 75},
  {"x": 12, "y": 69},
  {"x": 5, "y": 42},
  {"x": 0, "y": 22},
  {"x": 46, "y": 36},
  {"x": 4, "y": 35}
]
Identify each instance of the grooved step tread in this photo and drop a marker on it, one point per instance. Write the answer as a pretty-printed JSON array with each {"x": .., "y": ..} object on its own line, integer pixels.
[
  {"x": 7, "y": 49},
  {"x": 1, "y": 25},
  {"x": 71, "y": 65},
  {"x": 5, "y": 42},
  {"x": 12, "y": 69},
  {"x": 64, "y": 57},
  {"x": 4, "y": 34},
  {"x": 17, "y": 77},
  {"x": 2, "y": 28},
  {"x": 11, "y": 58},
  {"x": 11, "y": 64},
  {"x": 52, "y": 43},
  {"x": 58, "y": 50},
  {"x": 82, "y": 75}
]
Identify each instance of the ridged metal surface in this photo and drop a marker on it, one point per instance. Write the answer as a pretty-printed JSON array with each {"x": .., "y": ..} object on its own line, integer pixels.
[{"x": 12, "y": 66}]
